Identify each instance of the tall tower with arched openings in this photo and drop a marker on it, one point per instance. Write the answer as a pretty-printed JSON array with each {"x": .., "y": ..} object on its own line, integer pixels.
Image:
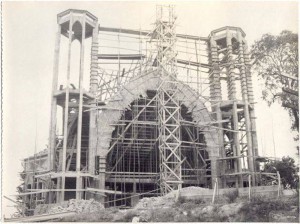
[
  {"x": 65, "y": 154},
  {"x": 231, "y": 92}
]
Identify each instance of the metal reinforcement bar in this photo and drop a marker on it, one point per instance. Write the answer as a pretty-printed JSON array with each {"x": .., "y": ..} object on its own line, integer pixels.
[{"x": 40, "y": 218}]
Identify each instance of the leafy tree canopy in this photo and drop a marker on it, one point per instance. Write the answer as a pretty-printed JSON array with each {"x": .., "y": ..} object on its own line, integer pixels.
[
  {"x": 287, "y": 170},
  {"x": 275, "y": 59}
]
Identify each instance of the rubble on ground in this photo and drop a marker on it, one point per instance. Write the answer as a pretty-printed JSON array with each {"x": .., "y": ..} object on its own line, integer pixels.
[
  {"x": 78, "y": 206},
  {"x": 157, "y": 202}
]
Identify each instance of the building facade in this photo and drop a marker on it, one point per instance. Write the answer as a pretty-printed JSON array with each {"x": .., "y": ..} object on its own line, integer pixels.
[{"x": 162, "y": 111}]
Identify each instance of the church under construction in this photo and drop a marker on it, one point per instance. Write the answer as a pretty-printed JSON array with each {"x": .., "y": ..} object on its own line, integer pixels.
[{"x": 163, "y": 111}]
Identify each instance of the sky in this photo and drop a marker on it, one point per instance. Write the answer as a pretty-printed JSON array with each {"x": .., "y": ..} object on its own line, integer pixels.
[{"x": 29, "y": 30}]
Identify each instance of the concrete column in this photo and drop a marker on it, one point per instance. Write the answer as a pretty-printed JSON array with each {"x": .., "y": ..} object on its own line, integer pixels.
[
  {"x": 214, "y": 171},
  {"x": 215, "y": 74},
  {"x": 66, "y": 116},
  {"x": 251, "y": 101},
  {"x": 100, "y": 183},
  {"x": 236, "y": 147},
  {"x": 94, "y": 60},
  {"x": 246, "y": 109},
  {"x": 58, "y": 186},
  {"x": 135, "y": 197},
  {"x": 52, "y": 135},
  {"x": 231, "y": 75},
  {"x": 215, "y": 94},
  {"x": 93, "y": 90},
  {"x": 232, "y": 96},
  {"x": 79, "y": 125}
]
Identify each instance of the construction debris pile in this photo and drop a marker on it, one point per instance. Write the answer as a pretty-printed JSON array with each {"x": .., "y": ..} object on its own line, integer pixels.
[
  {"x": 157, "y": 202},
  {"x": 78, "y": 206}
]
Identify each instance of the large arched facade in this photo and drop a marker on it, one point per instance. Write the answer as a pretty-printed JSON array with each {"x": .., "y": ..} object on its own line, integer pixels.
[{"x": 127, "y": 129}]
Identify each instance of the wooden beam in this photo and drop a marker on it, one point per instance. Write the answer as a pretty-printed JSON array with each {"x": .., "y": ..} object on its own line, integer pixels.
[
  {"x": 104, "y": 191},
  {"x": 66, "y": 174},
  {"x": 192, "y": 63},
  {"x": 46, "y": 191},
  {"x": 12, "y": 200}
]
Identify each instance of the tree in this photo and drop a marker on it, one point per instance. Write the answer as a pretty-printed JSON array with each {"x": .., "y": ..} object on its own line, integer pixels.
[
  {"x": 287, "y": 170},
  {"x": 275, "y": 59}
]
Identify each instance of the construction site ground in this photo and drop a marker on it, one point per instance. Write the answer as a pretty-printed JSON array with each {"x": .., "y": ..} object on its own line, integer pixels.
[{"x": 175, "y": 208}]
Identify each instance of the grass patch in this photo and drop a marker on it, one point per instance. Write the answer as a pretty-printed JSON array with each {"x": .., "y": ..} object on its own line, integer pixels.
[{"x": 259, "y": 208}]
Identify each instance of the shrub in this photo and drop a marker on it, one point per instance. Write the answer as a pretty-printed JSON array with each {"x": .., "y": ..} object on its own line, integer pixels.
[
  {"x": 232, "y": 195},
  {"x": 199, "y": 201},
  {"x": 259, "y": 208}
]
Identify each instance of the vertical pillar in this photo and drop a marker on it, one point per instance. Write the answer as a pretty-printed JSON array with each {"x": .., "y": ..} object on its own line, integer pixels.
[
  {"x": 52, "y": 135},
  {"x": 79, "y": 125},
  {"x": 216, "y": 97},
  {"x": 66, "y": 115},
  {"x": 246, "y": 108},
  {"x": 231, "y": 75},
  {"x": 100, "y": 182},
  {"x": 251, "y": 102},
  {"x": 168, "y": 105},
  {"x": 235, "y": 121},
  {"x": 94, "y": 60},
  {"x": 215, "y": 74},
  {"x": 93, "y": 90},
  {"x": 169, "y": 140}
]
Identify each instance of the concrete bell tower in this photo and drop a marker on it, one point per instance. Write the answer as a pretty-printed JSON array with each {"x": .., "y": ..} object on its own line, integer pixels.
[
  {"x": 74, "y": 25},
  {"x": 234, "y": 101}
]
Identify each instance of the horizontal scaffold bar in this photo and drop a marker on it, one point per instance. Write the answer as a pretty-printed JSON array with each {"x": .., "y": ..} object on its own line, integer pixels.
[
  {"x": 103, "y": 191},
  {"x": 192, "y": 63},
  {"x": 147, "y": 33},
  {"x": 121, "y": 56}
]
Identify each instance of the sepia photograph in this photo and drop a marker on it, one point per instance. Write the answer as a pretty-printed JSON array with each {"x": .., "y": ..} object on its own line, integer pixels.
[{"x": 149, "y": 111}]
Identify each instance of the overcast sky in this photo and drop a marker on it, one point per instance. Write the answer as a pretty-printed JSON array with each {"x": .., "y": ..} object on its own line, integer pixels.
[{"x": 28, "y": 51}]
